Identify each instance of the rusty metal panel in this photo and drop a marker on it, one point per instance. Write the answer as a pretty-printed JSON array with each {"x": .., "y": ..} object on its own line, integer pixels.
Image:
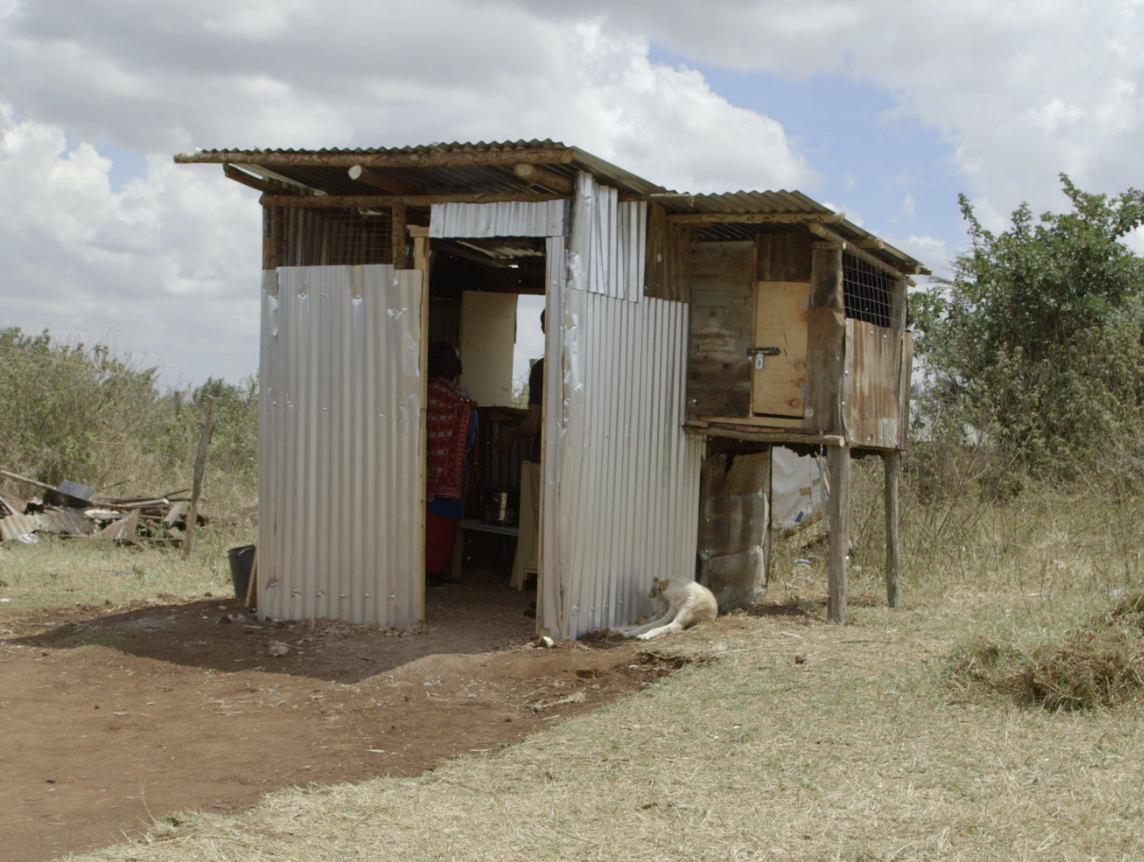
[
  {"x": 507, "y": 219},
  {"x": 63, "y": 521},
  {"x": 18, "y": 525},
  {"x": 875, "y": 376},
  {"x": 69, "y": 521},
  {"x": 621, "y": 476},
  {"x": 341, "y": 493}
]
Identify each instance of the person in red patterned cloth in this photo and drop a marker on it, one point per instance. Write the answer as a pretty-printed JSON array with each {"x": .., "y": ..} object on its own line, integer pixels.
[{"x": 452, "y": 428}]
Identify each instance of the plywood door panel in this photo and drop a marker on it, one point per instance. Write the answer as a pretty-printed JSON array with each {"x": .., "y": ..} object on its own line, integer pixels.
[
  {"x": 488, "y": 332},
  {"x": 777, "y": 388}
]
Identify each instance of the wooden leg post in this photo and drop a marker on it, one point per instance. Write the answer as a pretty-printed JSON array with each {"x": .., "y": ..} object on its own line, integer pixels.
[
  {"x": 838, "y": 461},
  {"x": 892, "y": 462}
]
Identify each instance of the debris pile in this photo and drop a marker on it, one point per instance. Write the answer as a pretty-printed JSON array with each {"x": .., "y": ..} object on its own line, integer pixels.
[{"x": 72, "y": 509}]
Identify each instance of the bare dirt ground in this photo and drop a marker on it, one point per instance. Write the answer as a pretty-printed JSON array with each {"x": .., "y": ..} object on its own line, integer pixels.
[{"x": 111, "y": 716}]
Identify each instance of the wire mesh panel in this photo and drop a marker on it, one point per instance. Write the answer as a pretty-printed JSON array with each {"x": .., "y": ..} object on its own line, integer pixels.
[
  {"x": 331, "y": 237},
  {"x": 870, "y": 293}
]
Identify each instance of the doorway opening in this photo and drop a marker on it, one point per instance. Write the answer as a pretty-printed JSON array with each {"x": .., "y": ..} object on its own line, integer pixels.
[{"x": 485, "y": 298}]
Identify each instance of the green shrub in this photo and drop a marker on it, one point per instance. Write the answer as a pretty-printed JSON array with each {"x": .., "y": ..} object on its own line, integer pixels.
[{"x": 86, "y": 414}]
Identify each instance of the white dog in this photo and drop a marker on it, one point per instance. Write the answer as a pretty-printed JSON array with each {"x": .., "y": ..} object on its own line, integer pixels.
[{"x": 686, "y": 603}]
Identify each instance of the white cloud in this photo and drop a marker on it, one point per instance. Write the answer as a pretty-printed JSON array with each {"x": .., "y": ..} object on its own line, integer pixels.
[
  {"x": 169, "y": 255},
  {"x": 169, "y": 260},
  {"x": 1023, "y": 90},
  {"x": 909, "y": 207},
  {"x": 177, "y": 249}
]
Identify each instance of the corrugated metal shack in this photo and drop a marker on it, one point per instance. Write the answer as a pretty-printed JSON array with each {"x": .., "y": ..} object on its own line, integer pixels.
[{"x": 686, "y": 335}]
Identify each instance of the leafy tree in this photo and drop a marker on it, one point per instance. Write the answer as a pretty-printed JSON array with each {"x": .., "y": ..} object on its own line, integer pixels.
[{"x": 1036, "y": 345}]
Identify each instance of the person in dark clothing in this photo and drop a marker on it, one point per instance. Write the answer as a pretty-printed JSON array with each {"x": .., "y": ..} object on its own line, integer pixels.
[{"x": 531, "y": 425}]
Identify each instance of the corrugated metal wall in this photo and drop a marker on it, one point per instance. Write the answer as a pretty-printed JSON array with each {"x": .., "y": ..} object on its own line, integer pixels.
[
  {"x": 609, "y": 242},
  {"x": 512, "y": 218},
  {"x": 341, "y": 496},
  {"x": 621, "y": 476}
]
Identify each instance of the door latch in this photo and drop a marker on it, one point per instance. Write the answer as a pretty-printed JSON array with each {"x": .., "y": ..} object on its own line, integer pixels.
[{"x": 761, "y": 354}]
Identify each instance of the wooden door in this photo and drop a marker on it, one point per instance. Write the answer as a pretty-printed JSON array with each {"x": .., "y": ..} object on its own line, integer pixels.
[
  {"x": 488, "y": 333},
  {"x": 778, "y": 375}
]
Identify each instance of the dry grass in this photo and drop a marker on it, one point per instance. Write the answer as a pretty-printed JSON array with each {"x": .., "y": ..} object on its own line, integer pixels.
[
  {"x": 799, "y": 741},
  {"x": 1099, "y": 664},
  {"x": 79, "y": 571},
  {"x": 852, "y": 754}
]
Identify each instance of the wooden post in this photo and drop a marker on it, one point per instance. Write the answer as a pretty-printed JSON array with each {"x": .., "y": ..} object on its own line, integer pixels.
[
  {"x": 200, "y": 468},
  {"x": 421, "y": 261},
  {"x": 892, "y": 463},
  {"x": 838, "y": 463}
]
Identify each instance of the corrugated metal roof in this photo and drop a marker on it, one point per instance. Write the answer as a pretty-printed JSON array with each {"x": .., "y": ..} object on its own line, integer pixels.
[
  {"x": 489, "y": 168},
  {"x": 742, "y": 202},
  {"x": 784, "y": 202},
  {"x": 319, "y": 168}
]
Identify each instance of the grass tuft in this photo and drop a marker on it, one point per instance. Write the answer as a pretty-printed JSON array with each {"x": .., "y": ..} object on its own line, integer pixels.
[{"x": 1099, "y": 664}]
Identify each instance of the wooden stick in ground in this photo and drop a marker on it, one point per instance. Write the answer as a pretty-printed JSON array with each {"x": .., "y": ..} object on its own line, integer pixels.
[
  {"x": 252, "y": 583},
  {"x": 200, "y": 467}
]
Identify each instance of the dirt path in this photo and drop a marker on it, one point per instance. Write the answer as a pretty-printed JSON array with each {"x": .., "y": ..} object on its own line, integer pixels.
[{"x": 112, "y": 716}]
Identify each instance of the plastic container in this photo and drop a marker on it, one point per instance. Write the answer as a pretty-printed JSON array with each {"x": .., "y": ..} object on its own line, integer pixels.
[{"x": 241, "y": 562}]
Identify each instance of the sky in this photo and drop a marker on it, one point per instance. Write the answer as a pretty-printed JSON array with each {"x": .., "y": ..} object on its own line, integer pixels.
[{"x": 886, "y": 110}]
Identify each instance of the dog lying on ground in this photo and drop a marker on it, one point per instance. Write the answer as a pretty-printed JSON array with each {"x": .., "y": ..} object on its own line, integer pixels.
[{"x": 686, "y": 603}]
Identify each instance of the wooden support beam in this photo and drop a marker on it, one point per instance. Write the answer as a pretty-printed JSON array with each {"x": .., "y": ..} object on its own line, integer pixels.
[
  {"x": 756, "y": 218},
  {"x": 761, "y": 435},
  {"x": 838, "y": 464},
  {"x": 445, "y": 159},
  {"x": 899, "y": 315},
  {"x": 543, "y": 177},
  {"x": 892, "y": 465},
  {"x": 397, "y": 232},
  {"x": 380, "y": 180},
  {"x": 420, "y": 235},
  {"x": 254, "y": 182},
  {"x": 377, "y": 201},
  {"x": 826, "y": 279},
  {"x": 837, "y": 241}
]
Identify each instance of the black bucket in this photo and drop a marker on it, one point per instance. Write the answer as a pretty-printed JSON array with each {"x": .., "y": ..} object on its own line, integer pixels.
[{"x": 241, "y": 562}]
